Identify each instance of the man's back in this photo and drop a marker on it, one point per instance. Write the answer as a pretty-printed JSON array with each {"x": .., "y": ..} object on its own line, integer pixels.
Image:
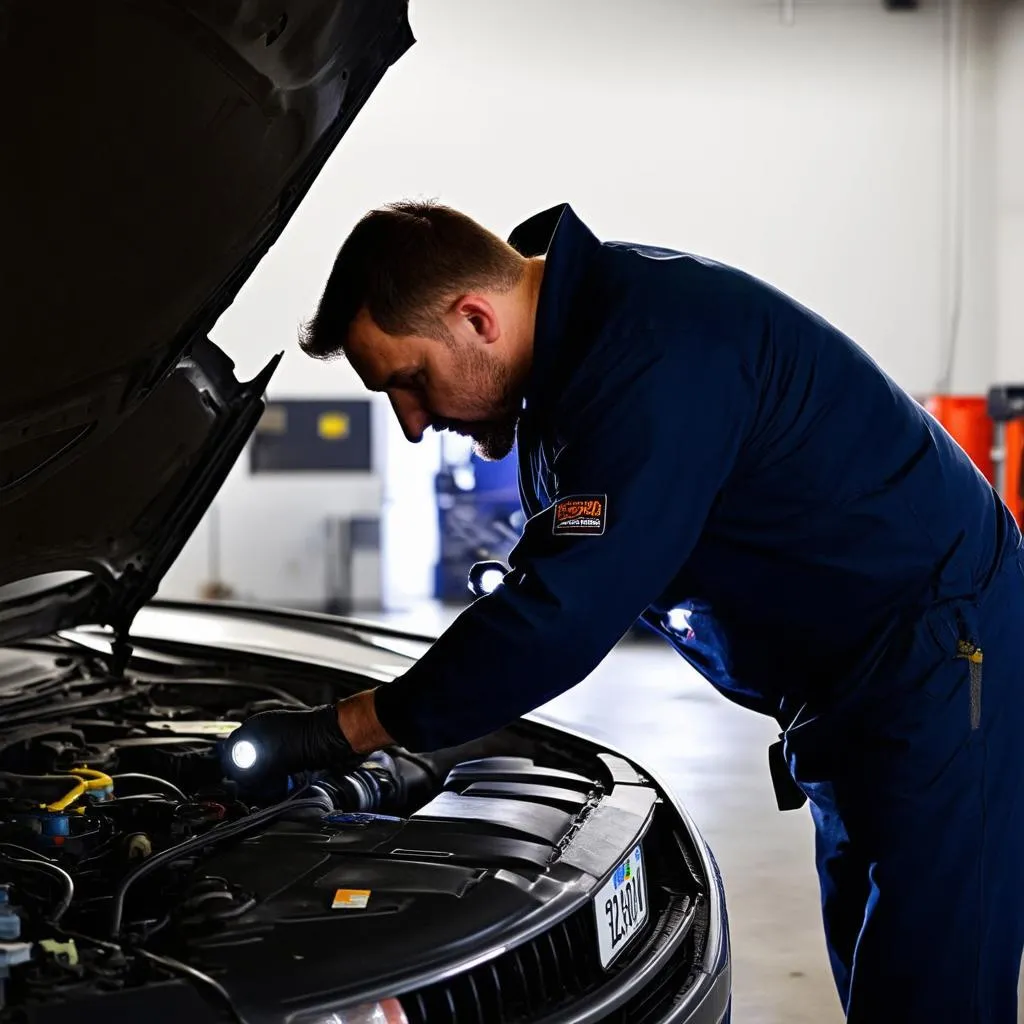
[{"x": 846, "y": 509}]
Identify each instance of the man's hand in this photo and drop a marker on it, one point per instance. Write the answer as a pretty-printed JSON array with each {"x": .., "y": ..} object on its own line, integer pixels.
[{"x": 285, "y": 742}]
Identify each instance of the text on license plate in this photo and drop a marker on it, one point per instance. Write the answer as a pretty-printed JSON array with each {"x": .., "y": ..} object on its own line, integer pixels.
[{"x": 621, "y": 907}]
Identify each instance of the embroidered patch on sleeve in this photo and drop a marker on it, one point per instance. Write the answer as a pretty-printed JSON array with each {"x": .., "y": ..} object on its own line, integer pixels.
[{"x": 582, "y": 515}]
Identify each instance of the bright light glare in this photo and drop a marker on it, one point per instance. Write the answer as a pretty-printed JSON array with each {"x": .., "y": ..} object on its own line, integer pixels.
[
  {"x": 243, "y": 753},
  {"x": 679, "y": 620},
  {"x": 490, "y": 579}
]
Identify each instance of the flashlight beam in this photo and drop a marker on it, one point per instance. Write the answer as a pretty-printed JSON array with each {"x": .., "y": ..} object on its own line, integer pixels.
[{"x": 243, "y": 754}]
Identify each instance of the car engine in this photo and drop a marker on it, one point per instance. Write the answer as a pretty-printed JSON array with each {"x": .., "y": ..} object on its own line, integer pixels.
[
  {"x": 139, "y": 881},
  {"x": 112, "y": 794}
]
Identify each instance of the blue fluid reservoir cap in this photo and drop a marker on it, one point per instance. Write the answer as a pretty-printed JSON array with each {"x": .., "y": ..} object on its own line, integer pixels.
[{"x": 56, "y": 825}]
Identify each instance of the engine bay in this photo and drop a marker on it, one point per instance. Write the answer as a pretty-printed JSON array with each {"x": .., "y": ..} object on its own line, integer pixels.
[{"x": 125, "y": 849}]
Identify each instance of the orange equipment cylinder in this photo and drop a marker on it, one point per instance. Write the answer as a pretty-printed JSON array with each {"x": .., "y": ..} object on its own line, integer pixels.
[
  {"x": 1013, "y": 493},
  {"x": 966, "y": 419},
  {"x": 1006, "y": 407}
]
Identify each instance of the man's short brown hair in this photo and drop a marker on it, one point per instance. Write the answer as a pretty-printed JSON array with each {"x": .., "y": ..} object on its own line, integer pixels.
[{"x": 404, "y": 262}]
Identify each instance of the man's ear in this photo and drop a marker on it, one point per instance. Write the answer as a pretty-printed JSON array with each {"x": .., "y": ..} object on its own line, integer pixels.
[{"x": 477, "y": 315}]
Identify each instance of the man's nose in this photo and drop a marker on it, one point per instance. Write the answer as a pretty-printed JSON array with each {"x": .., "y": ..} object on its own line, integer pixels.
[{"x": 412, "y": 417}]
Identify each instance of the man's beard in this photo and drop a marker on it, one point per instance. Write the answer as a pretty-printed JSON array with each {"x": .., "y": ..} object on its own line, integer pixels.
[
  {"x": 493, "y": 438},
  {"x": 496, "y": 442}
]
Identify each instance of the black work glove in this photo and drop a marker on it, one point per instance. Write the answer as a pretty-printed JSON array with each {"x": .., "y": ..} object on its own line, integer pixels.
[{"x": 286, "y": 742}]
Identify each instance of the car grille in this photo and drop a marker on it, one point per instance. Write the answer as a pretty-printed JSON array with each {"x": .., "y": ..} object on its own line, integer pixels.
[{"x": 561, "y": 966}]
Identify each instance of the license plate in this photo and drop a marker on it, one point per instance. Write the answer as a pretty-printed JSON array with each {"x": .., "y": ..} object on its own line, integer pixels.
[{"x": 621, "y": 907}]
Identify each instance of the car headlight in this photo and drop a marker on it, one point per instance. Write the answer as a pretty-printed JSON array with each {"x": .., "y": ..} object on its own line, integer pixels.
[{"x": 387, "y": 1011}]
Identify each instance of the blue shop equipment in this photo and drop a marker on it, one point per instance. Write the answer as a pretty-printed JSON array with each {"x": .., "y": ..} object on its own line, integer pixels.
[{"x": 479, "y": 519}]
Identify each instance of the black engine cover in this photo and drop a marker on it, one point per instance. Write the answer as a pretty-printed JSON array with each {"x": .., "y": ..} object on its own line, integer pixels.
[{"x": 367, "y": 899}]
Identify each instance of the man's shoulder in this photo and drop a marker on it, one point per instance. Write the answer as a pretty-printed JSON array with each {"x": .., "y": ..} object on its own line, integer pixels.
[
  {"x": 680, "y": 303},
  {"x": 680, "y": 273}
]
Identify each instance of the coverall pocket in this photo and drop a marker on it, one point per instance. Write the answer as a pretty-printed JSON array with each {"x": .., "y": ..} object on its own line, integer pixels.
[
  {"x": 955, "y": 629},
  {"x": 888, "y": 698},
  {"x": 907, "y": 726},
  {"x": 822, "y": 736}
]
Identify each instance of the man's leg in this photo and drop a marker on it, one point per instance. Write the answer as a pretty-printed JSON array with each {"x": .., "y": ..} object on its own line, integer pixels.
[
  {"x": 918, "y": 794},
  {"x": 933, "y": 799},
  {"x": 843, "y": 877}
]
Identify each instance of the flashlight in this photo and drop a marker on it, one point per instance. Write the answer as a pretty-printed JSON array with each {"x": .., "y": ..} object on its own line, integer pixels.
[
  {"x": 243, "y": 754},
  {"x": 485, "y": 577}
]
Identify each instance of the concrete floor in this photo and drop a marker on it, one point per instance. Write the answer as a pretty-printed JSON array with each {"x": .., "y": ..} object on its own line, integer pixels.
[{"x": 647, "y": 700}]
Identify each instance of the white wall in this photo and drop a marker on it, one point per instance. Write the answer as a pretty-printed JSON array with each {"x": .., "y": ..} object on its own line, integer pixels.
[
  {"x": 1010, "y": 195},
  {"x": 812, "y": 151}
]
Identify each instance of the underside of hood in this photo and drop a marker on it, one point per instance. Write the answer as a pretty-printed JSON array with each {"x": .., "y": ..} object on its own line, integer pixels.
[{"x": 152, "y": 154}]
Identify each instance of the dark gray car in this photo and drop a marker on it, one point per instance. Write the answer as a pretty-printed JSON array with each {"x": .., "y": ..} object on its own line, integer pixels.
[{"x": 153, "y": 152}]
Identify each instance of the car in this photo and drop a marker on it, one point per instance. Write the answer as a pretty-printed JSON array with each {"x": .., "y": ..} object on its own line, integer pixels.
[{"x": 155, "y": 153}]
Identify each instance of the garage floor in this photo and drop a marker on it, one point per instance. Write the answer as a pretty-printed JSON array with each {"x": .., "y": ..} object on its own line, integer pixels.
[{"x": 647, "y": 700}]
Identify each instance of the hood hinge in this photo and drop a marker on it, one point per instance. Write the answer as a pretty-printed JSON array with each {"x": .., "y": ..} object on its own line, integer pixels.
[
  {"x": 120, "y": 647},
  {"x": 121, "y": 651}
]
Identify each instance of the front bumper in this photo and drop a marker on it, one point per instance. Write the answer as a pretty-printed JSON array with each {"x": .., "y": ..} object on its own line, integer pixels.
[{"x": 662, "y": 978}]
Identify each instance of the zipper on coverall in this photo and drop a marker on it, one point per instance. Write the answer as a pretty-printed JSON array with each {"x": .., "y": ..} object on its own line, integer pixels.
[{"x": 972, "y": 653}]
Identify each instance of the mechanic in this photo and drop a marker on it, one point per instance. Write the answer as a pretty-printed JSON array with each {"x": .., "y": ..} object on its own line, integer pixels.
[{"x": 690, "y": 438}]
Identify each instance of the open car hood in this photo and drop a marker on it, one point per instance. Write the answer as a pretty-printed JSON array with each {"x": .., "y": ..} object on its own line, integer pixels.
[{"x": 155, "y": 152}]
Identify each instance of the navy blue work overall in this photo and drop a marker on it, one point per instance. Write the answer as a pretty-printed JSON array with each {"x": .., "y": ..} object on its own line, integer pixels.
[{"x": 694, "y": 440}]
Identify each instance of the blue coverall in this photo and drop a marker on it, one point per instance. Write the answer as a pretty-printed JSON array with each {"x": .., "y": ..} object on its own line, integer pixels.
[{"x": 692, "y": 438}]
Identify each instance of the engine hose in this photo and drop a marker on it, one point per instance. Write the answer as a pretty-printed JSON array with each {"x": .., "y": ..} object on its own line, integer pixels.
[
  {"x": 39, "y": 789},
  {"x": 48, "y": 868},
  {"x": 374, "y": 783},
  {"x": 320, "y": 794},
  {"x": 76, "y": 783},
  {"x": 140, "y": 776},
  {"x": 25, "y": 851},
  {"x": 216, "y": 835},
  {"x": 194, "y": 902},
  {"x": 88, "y": 781},
  {"x": 177, "y": 967},
  {"x": 229, "y": 913}
]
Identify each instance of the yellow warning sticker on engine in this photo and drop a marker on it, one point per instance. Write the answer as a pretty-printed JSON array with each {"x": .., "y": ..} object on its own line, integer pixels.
[{"x": 351, "y": 899}]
